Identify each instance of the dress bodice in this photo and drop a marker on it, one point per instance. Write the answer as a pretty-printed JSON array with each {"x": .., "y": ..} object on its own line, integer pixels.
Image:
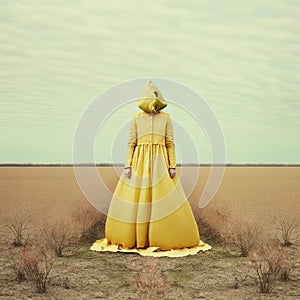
[{"x": 151, "y": 129}]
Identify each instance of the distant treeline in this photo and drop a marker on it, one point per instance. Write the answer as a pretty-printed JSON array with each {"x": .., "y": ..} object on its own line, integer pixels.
[{"x": 120, "y": 165}]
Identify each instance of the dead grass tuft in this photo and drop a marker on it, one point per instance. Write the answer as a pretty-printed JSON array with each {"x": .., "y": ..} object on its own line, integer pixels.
[{"x": 151, "y": 282}]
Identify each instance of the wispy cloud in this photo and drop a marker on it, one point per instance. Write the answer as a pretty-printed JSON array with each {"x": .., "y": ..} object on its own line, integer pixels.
[{"x": 242, "y": 58}]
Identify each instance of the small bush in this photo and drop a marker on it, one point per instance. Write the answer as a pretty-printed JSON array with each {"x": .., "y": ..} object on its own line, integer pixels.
[
  {"x": 84, "y": 225},
  {"x": 268, "y": 263},
  {"x": 88, "y": 223},
  {"x": 35, "y": 263},
  {"x": 216, "y": 224},
  {"x": 245, "y": 236},
  {"x": 19, "y": 227},
  {"x": 286, "y": 270},
  {"x": 287, "y": 228},
  {"x": 17, "y": 266},
  {"x": 213, "y": 224},
  {"x": 150, "y": 283},
  {"x": 59, "y": 237}
]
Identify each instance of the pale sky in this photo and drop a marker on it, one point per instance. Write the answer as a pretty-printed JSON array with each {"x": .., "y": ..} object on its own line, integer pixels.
[{"x": 242, "y": 57}]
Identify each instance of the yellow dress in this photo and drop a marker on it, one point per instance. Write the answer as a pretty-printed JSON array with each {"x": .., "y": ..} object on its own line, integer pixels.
[{"x": 150, "y": 209}]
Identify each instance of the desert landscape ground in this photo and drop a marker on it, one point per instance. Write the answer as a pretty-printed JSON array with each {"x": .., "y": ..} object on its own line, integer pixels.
[{"x": 251, "y": 196}]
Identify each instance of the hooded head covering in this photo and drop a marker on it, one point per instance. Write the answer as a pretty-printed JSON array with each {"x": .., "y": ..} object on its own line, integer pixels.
[{"x": 151, "y": 99}]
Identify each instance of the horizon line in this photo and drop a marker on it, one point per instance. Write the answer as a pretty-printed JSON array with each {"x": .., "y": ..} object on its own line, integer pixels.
[{"x": 122, "y": 164}]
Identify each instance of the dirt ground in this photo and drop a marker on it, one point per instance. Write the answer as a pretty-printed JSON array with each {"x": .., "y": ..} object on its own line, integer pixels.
[
  {"x": 51, "y": 192},
  {"x": 85, "y": 274},
  {"x": 250, "y": 192}
]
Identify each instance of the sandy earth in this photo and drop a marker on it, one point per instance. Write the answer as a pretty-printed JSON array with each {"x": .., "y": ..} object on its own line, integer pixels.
[
  {"x": 215, "y": 274},
  {"x": 251, "y": 192},
  {"x": 52, "y": 192}
]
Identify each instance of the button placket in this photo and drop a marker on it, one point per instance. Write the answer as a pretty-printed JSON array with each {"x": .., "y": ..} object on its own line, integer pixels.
[
  {"x": 150, "y": 134},
  {"x": 150, "y": 146}
]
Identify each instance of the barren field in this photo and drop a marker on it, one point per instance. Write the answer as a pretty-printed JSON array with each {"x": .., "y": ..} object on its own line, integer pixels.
[{"x": 254, "y": 194}]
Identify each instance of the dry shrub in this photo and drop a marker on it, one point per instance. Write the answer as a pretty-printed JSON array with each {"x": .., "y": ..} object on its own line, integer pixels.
[
  {"x": 245, "y": 236},
  {"x": 268, "y": 262},
  {"x": 285, "y": 274},
  {"x": 241, "y": 277},
  {"x": 213, "y": 224},
  {"x": 19, "y": 226},
  {"x": 17, "y": 266},
  {"x": 88, "y": 222},
  {"x": 287, "y": 227},
  {"x": 216, "y": 224},
  {"x": 60, "y": 237},
  {"x": 288, "y": 266},
  {"x": 151, "y": 282},
  {"x": 35, "y": 263},
  {"x": 70, "y": 235}
]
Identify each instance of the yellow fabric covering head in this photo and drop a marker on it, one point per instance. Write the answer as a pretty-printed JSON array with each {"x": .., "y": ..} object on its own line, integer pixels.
[{"x": 151, "y": 99}]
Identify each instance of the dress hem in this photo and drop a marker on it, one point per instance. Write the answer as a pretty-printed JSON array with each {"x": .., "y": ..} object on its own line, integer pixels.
[{"x": 103, "y": 246}]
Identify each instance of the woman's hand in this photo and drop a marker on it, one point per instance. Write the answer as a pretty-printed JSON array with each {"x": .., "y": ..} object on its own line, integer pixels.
[
  {"x": 127, "y": 172},
  {"x": 172, "y": 172}
]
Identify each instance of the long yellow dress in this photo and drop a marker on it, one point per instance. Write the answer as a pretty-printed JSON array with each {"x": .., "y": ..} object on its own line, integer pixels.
[{"x": 150, "y": 209}]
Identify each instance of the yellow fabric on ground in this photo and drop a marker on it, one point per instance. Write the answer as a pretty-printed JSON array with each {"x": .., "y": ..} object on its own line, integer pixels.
[{"x": 103, "y": 246}]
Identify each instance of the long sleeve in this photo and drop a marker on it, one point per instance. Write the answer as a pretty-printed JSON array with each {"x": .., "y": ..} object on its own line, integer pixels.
[
  {"x": 170, "y": 144},
  {"x": 132, "y": 141}
]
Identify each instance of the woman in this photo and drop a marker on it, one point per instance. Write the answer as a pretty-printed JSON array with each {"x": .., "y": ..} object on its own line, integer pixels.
[{"x": 149, "y": 207}]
